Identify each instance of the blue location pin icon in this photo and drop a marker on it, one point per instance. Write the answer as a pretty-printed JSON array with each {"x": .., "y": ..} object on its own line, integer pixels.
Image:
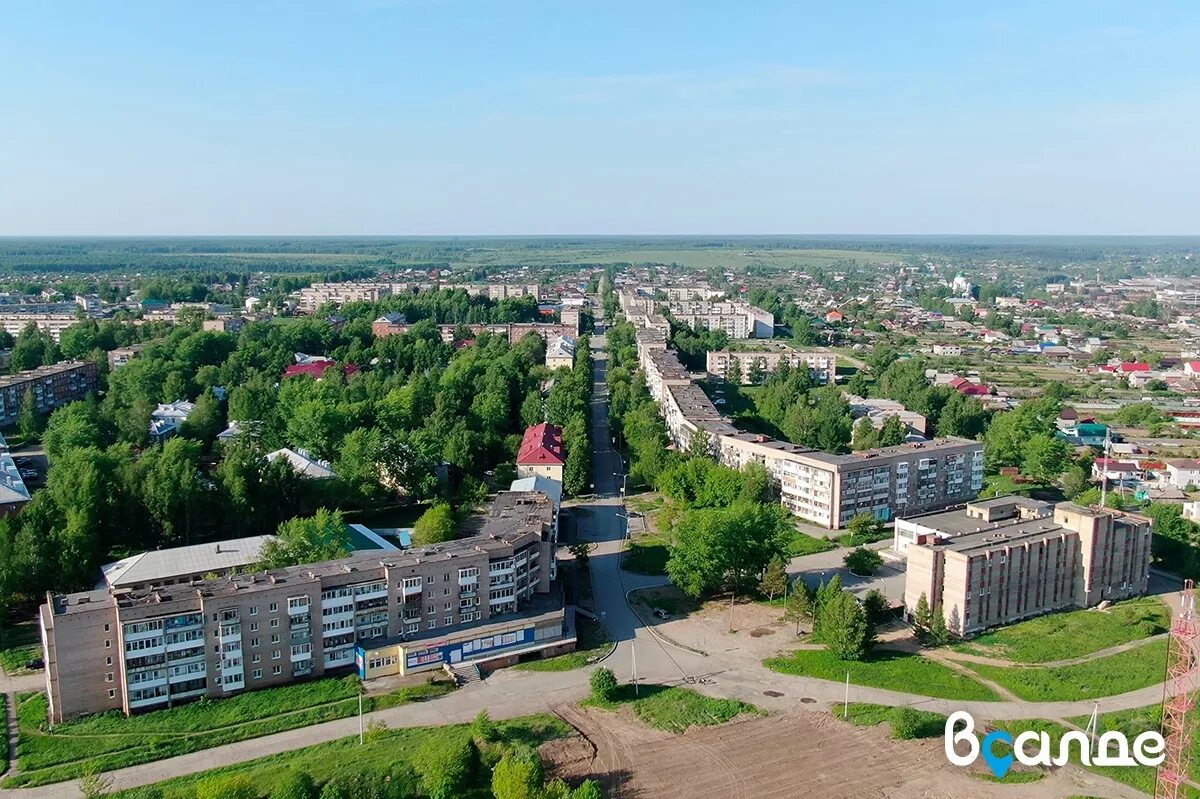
[{"x": 997, "y": 763}]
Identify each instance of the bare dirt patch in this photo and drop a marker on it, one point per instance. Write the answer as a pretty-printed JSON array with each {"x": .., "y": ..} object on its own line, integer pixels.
[{"x": 787, "y": 755}]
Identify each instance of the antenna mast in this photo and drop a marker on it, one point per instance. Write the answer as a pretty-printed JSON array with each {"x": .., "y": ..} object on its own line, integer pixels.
[{"x": 1178, "y": 697}]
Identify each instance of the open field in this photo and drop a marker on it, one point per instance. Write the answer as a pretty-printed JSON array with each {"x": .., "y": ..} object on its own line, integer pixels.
[
  {"x": 1072, "y": 634},
  {"x": 1107, "y": 676},
  {"x": 895, "y": 671},
  {"x": 781, "y": 756},
  {"x": 111, "y": 740},
  {"x": 384, "y": 751}
]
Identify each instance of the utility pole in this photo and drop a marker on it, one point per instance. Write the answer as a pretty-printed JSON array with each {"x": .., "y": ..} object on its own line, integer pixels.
[
  {"x": 633, "y": 654},
  {"x": 846, "y": 701},
  {"x": 731, "y": 597}
]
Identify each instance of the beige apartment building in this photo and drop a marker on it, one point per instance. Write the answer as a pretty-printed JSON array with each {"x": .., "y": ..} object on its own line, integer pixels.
[
  {"x": 822, "y": 366},
  {"x": 887, "y": 483},
  {"x": 312, "y": 298},
  {"x": 1006, "y": 559},
  {"x": 133, "y": 650}
]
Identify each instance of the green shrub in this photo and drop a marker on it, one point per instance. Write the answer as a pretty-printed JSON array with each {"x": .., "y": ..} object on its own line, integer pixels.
[
  {"x": 906, "y": 724},
  {"x": 604, "y": 684}
]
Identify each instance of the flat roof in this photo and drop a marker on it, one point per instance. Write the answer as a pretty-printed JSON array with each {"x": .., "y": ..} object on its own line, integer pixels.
[
  {"x": 165, "y": 564},
  {"x": 41, "y": 371},
  {"x": 1002, "y": 535}
]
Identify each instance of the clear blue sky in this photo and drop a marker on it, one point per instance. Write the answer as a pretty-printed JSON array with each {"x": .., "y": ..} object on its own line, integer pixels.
[{"x": 445, "y": 117}]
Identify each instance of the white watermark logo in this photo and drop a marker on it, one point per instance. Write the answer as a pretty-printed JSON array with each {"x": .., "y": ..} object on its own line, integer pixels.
[{"x": 1031, "y": 748}]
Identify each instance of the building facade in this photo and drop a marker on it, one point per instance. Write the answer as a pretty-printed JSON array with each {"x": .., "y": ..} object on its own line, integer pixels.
[
  {"x": 887, "y": 483},
  {"x": 822, "y": 366},
  {"x": 139, "y": 650},
  {"x": 1012, "y": 563},
  {"x": 542, "y": 453},
  {"x": 52, "y": 387}
]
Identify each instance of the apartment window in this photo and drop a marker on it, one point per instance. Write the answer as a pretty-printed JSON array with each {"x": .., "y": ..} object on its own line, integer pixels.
[
  {"x": 256, "y": 658},
  {"x": 253, "y": 626},
  {"x": 112, "y": 693},
  {"x": 106, "y": 628},
  {"x": 275, "y": 638},
  {"x": 253, "y": 642},
  {"x": 445, "y": 578},
  {"x": 108, "y": 677},
  {"x": 275, "y": 654},
  {"x": 108, "y": 661},
  {"x": 256, "y": 674},
  {"x": 412, "y": 628},
  {"x": 447, "y": 606},
  {"x": 448, "y": 620},
  {"x": 254, "y": 610},
  {"x": 274, "y": 607},
  {"x": 108, "y": 643},
  {"x": 274, "y": 622},
  {"x": 445, "y": 592},
  {"x": 432, "y": 624}
]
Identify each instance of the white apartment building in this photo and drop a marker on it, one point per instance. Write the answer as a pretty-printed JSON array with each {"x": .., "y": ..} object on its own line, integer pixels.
[{"x": 822, "y": 366}]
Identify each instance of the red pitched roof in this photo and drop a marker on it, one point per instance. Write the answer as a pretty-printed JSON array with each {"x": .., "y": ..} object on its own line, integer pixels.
[
  {"x": 542, "y": 444},
  {"x": 1134, "y": 366},
  {"x": 316, "y": 369},
  {"x": 973, "y": 389}
]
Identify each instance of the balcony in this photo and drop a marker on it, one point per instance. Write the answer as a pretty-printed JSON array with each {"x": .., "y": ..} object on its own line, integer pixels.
[
  {"x": 298, "y": 608},
  {"x": 230, "y": 634},
  {"x": 375, "y": 593},
  {"x": 300, "y": 621}
]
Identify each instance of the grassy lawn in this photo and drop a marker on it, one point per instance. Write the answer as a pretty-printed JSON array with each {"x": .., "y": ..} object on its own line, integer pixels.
[
  {"x": 1074, "y": 633},
  {"x": 19, "y": 645},
  {"x": 667, "y": 598},
  {"x": 1133, "y": 723},
  {"x": 593, "y": 644},
  {"x": 895, "y": 671},
  {"x": 804, "y": 544},
  {"x": 1011, "y": 778},
  {"x": 382, "y": 751},
  {"x": 995, "y": 485},
  {"x": 1108, "y": 676},
  {"x": 865, "y": 714},
  {"x": 110, "y": 740},
  {"x": 675, "y": 709},
  {"x": 647, "y": 553},
  {"x": 857, "y": 540}
]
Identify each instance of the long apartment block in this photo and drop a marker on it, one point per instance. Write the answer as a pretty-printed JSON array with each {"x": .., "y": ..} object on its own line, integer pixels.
[
  {"x": 1005, "y": 559},
  {"x": 487, "y": 598},
  {"x": 51, "y": 386},
  {"x": 824, "y": 489},
  {"x": 822, "y": 366},
  {"x": 887, "y": 483}
]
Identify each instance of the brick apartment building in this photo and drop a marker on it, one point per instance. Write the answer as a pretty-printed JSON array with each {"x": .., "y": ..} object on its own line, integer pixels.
[
  {"x": 1009, "y": 558},
  {"x": 484, "y": 599},
  {"x": 52, "y": 387}
]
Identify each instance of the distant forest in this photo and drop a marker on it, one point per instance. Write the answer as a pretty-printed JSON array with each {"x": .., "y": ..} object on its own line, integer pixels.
[{"x": 330, "y": 254}]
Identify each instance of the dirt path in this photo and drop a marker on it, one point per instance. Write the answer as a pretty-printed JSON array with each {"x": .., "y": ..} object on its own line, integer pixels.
[{"x": 785, "y": 755}]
